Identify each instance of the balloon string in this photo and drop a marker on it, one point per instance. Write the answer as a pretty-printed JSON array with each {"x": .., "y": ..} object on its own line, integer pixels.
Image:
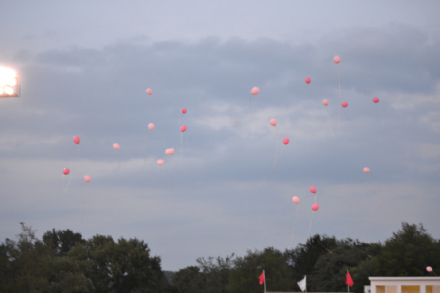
[
  {"x": 65, "y": 189},
  {"x": 181, "y": 145},
  {"x": 274, "y": 161},
  {"x": 310, "y": 227},
  {"x": 375, "y": 186},
  {"x": 119, "y": 163},
  {"x": 82, "y": 201},
  {"x": 154, "y": 176},
  {"x": 187, "y": 173},
  {"x": 281, "y": 154},
  {"x": 339, "y": 77},
  {"x": 152, "y": 107},
  {"x": 252, "y": 114},
  {"x": 276, "y": 152},
  {"x": 145, "y": 142},
  {"x": 381, "y": 116},
  {"x": 340, "y": 100},
  {"x": 168, "y": 175},
  {"x": 294, "y": 227},
  {"x": 328, "y": 119}
]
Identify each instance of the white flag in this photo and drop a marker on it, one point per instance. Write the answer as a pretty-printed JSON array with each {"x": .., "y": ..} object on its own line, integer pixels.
[{"x": 302, "y": 284}]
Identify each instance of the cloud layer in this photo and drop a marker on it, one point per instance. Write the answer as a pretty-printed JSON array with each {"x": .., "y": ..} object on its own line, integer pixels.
[{"x": 229, "y": 185}]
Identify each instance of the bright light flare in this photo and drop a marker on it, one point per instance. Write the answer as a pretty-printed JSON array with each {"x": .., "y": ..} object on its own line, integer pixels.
[{"x": 9, "y": 86}]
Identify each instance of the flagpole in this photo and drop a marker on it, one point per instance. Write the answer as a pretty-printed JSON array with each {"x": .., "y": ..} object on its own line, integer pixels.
[{"x": 264, "y": 274}]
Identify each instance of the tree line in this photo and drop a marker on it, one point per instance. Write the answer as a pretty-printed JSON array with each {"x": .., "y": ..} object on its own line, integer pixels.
[{"x": 62, "y": 261}]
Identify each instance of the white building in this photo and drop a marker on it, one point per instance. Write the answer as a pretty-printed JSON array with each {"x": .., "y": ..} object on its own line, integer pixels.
[{"x": 404, "y": 285}]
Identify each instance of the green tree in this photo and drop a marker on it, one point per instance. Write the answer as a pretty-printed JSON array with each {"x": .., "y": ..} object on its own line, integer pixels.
[
  {"x": 329, "y": 272},
  {"x": 189, "y": 280},
  {"x": 408, "y": 252},
  {"x": 62, "y": 242},
  {"x": 247, "y": 269},
  {"x": 25, "y": 263},
  {"x": 125, "y": 266},
  {"x": 216, "y": 272},
  {"x": 303, "y": 258}
]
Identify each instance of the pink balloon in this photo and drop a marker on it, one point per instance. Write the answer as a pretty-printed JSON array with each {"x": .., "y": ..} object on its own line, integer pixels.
[
  {"x": 313, "y": 189},
  {"x": 149, "y": 91},
  {"x": 376, "y": 100},
  {"x": 308, "y": 80},
  {"x": 87, "y": 178},
  {"x": 116, "y": 146},
  {"x": 255, "y": 91},
  {"x": 150, "y": 126},
  {"x": 344, "y": 104},
  {"x": 366, "y": 170},
  {"x": 184, "y": 110},
  {"x": 169, "y": 151},
  {"x": 336, "y": 59},
  {"x": 183, "y": 128},
  {"x": 315, "y": 207},
  {"x": 429, "y": 269},
  {"x": 273, "y": 122},
  {"x": 325, "y": 102},
  {"x": 160, "y": 162},
  {"x": 295, "y": 199},
  {"x": 286, "y": 140},
  {"x": 76, "y": 139},
  {"x": 66, "y": 171}
]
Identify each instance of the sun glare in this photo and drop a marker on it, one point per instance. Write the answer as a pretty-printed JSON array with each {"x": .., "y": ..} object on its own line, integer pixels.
[{"x": 9, "y": 86}]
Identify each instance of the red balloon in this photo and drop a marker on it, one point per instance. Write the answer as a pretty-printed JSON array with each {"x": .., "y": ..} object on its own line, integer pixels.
[
  {"x": 149, "y": 91},
  {"x": 376, "y": 100},
  {"x": 313, "y": 189},
  {"x": 184, "y": 110},
  {"x": 286, "y": 140},
  {"x": 66, "y": 171},
  {"x": 344, "y": 104},
  {"x": 315, "y": 207},
  {"x": 183, "y": 128},
  {"x": 308, "y": 80},
  {"x": 336, "y": 59},
  {"x": 76, "y": 139}
]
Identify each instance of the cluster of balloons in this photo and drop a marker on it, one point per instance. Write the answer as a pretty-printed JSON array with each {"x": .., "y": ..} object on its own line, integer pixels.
[
  {"x": 273, "y": 122},
  {"x": 183, "y": 128},
  {"x": 325, "y": 102},
  {"x": 77, "y": 140}
]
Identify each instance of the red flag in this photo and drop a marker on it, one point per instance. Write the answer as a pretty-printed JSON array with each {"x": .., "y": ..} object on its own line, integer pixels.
[
  {"x": 261, "y": 277},
  {"x": 349, "y": 280}
]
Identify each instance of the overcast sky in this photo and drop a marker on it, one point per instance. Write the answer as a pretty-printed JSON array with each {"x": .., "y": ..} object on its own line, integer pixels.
[{"x": 84, "y": 68}]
